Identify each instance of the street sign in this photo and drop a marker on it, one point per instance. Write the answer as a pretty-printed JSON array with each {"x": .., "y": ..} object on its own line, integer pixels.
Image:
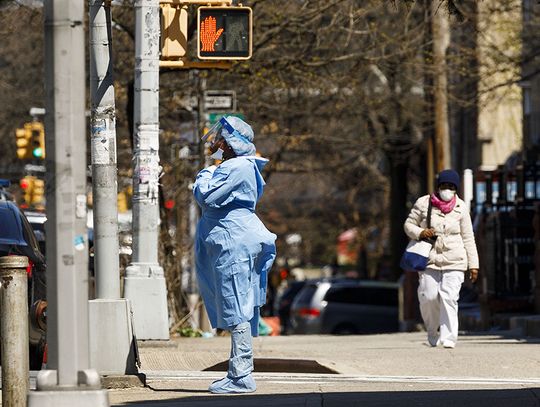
[{"x": 220, "y": 100}]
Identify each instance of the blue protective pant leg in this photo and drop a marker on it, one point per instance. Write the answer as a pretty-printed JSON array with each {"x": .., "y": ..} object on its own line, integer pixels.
[
  {"x": 241, "y": 360},
  {"x": 239, "y": 378}
]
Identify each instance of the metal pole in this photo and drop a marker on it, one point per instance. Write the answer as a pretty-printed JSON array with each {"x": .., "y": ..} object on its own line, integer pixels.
[
  {"x": 14, "y": 330},
  {"x": 468, "y": 188},
  {"x": 103, "y": 152},
  {"x": 204, "y": 161},
  {"x": 145, "y": 283},
  {"x": 111, "y": 337},
  {"x": 70, "y": 381},
  {"x": 67, "y": 249}
]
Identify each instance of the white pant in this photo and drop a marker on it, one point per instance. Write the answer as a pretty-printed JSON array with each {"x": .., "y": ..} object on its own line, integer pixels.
[{"x": 438, "y": 293}]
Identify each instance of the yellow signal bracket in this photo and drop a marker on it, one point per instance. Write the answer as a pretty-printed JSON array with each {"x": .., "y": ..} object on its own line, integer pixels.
[{"x": 184, "y": 64}]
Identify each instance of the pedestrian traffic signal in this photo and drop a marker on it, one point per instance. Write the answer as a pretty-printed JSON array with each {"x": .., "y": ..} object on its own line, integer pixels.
[
  {"x": 23, "y": 144},
  {"x": 224, "y": 32},
  {"x": 37, "y": 132},
  {"x": 174, "y": 28}
]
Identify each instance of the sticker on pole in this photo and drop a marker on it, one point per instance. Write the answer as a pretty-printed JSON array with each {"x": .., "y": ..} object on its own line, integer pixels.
[{"x": 79, "y": 243}]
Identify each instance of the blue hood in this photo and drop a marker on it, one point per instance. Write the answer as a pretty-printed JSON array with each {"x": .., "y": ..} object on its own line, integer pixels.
[{"x": 259, "y": 162}]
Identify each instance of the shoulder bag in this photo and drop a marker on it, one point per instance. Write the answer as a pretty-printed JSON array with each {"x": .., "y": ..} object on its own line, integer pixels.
[{"x": 416, "y": 255}]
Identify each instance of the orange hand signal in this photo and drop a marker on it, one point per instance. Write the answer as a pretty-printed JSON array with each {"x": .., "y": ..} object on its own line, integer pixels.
[{"x": 208, "y": 35}]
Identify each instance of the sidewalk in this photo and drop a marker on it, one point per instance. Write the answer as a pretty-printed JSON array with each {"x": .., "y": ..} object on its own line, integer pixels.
[{"x": 376, "y": 370}]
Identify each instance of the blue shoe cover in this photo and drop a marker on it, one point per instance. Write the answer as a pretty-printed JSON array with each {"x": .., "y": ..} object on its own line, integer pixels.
[
  {"x": 226, "y": 385},
  {"x": 223, "y": 379}
]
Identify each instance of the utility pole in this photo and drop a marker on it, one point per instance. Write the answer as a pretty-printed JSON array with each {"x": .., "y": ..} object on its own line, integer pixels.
[
  {"x": 103, "y": 152},
  {"x": 70, "y": 381},
  {"x": 194, "y": 212},
  {"x": 111, "y": 336},
  {"x": 145, "y": 282},
  {"x": 441, "y": 38}
]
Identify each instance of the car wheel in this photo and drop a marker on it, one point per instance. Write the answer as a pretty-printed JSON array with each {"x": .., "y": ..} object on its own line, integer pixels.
[{"x": 345, "y": 329}]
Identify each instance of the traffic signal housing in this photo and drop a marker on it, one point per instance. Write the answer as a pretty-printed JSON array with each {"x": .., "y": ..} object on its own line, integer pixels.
[
  {"x": 38, "y": 193},
  {"x": 174, "y": 28},
  {"x": 27, "y": 185},
  {"x": 33, "y": 191},
  {"x": 224, "y": 33},
  {"x": 37, "y": 144},
  {"x": 23, "y": 144}
]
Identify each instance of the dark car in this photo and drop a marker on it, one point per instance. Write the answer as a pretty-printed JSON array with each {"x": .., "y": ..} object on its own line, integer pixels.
[
  {"x": 37, "y": 221},
  {"x": 284, "y": 302},
  {"x": 17, "y": 237},
  {"x": 346, "y": 306}
]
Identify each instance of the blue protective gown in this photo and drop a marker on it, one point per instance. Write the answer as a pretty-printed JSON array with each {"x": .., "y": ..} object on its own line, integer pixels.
[{"x": 234, "y": 250}]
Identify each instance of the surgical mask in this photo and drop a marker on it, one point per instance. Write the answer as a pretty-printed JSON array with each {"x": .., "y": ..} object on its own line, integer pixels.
[
  {"x": 447, "y": 194},
  {"x": 218, "y": 154}
]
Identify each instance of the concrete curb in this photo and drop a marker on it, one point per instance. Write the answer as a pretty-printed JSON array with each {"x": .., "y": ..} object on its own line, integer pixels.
[
  {"x": 123, "y": 381},
  {"x": 157, "y": 344}
]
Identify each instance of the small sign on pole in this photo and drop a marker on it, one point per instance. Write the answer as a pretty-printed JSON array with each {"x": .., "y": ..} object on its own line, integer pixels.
[{"x": 220, "y": 101}]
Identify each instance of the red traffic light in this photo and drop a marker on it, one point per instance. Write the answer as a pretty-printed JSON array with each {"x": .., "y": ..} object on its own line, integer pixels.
[
  {"x": 169, "y": 204},
  {"x": 24, "y": 183}
]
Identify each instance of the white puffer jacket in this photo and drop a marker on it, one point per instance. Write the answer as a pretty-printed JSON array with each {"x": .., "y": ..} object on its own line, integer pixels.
[{"x": 455, "y": 248}]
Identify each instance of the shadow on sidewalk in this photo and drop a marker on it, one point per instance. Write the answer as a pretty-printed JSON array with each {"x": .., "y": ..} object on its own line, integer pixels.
[
  {"x": 497, "y": 337},
  {"x": 529, "y": 397}
]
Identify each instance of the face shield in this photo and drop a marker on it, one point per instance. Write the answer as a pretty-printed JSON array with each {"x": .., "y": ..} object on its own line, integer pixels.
[
  {"x": 235, "y": 132},
  {"x": 215, "y": 133}
]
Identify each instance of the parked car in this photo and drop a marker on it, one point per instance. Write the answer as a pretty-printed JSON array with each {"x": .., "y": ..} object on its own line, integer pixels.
[
  {"x": 345, "y": 306},
  {"x": 17, "y": 237},
  {"x": 37, "y": 221},
  {"x": 284, "y": 302}
]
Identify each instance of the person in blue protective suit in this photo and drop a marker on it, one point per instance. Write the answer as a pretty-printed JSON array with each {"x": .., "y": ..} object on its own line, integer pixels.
[{"x": 234, "y": 250}]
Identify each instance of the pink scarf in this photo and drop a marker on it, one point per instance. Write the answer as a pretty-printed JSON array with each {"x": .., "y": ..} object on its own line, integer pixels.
[{"x": 445, "y": 207}]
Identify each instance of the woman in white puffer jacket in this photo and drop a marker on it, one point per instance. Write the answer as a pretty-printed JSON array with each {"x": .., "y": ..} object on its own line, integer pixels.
[{"x": 453, "y": 254}]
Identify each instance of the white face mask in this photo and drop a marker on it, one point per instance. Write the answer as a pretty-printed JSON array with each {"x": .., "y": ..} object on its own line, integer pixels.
[
  {"x": 218, "y": 155},
  {"x": 446, "y": 194}
]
